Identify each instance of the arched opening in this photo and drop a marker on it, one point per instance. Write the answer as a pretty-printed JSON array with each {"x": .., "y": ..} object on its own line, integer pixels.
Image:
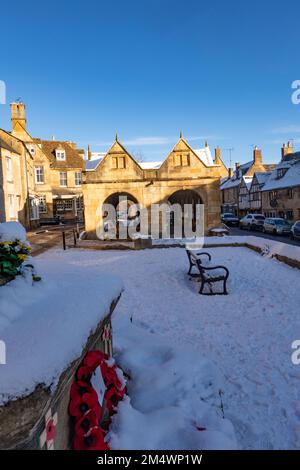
[
  {"x": 183, "y": 197},
  {"x": 126, "y": 211}
]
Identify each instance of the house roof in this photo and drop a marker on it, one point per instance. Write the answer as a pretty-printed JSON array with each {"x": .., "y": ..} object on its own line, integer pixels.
[
  {"x": 6, "y": 146},
  {"x": 292, "y": 176},
  {"x": 243, "y": 169},
  {"x": 262, "y": 177},
  {"x": 91, "y": 165},
  {"x": 150, "y": 165},
  {"x": 73, "y": 157},
  {"x": 205, "y": 156}
]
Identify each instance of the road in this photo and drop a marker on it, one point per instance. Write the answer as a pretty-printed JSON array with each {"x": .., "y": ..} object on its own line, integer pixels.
[{"x": 285, "y": 239}]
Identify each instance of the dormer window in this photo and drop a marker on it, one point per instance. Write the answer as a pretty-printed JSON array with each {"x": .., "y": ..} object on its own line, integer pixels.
[
  {"x": 31, "y": 149},
  {"x": 281, "y": 172},
  {"x": 60, "y": 155}
]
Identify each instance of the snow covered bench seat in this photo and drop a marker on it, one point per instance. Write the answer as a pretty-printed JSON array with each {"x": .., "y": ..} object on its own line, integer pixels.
[
  {"x": 194, "y": 257},
  {"x": 207, "y": 274},
  {"x": 47, "y": 328}
]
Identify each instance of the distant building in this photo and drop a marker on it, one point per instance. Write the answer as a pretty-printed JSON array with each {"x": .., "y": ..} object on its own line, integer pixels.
[
  {"x": 186, "y": 175},
  {"x": 230, "y": 188},
  {"x": 281, "y": 192},
  {"x": 255, "y": 192},
  {"x": 55, "y": 172}
]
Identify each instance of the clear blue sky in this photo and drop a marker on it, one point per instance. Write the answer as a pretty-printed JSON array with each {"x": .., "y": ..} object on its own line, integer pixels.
[{"x": 217, "y": 69}]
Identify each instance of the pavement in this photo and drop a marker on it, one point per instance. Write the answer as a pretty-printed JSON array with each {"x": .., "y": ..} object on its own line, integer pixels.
[
  {"x": 46, "y": 237},
  {"x": 279, "y": 238}
]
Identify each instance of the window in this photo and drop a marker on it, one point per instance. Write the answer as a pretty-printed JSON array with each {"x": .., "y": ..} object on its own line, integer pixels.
[
  {"x": 42, "y": 204},
  {"x": 290, "y": 193},
  {"x": 181, "y": 160},
  {"x": 39, "y": 175},
  {"x": 281, "y": 172},
  {"x": 31, "y": 149},
  {"x": 34, "y": 208},
  {"x": 78, "y": 178},
  {"x": 63, "y": 205},
  {"x": 290, "y": 215},
  {"x": 68, "y": 204},
  {"x": 118, "y": 162},
  {"x": 9, "y": 175},
  {"x": 63, "y": 178},
  {"x": 272, "y": 195},
  {"x": 11, "y": 206},
  {"x": 60, "y": 155},
  {"x": 79, "y": 204}
]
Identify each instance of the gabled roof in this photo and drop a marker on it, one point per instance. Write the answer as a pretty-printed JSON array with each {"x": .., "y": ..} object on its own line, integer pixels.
[
  {"x": 73, "y": 157},
  {"x": 6, "y": 146},
  {"x": 262, "y": 177},
  {"x": 247, "y": 180},
  {"x": 203, "y": 154},
  {"x": 291, "y": 178}
]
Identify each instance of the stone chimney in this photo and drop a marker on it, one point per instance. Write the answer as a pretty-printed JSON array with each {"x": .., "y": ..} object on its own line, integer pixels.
[
  {"x": 286, "y": 149},
  {"x": 18, "y": 119},
  {"x": 218, "y": 156},
  {"x": 257, "y": 156},
  {"x": 89, "y": 153}
]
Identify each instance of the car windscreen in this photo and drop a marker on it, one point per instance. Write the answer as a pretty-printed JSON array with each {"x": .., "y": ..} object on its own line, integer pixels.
[
  {"x": 259, "y": 217},
  {"x": 281, "y": 222}
]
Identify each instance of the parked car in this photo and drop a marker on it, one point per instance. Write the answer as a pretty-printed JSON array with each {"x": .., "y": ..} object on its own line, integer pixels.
[
  {"x": 252, "y": 222},
  {"x": 229, "y": 219},
  {"x": 295, "y": 230},
  {"x": 277, "y": 226}
]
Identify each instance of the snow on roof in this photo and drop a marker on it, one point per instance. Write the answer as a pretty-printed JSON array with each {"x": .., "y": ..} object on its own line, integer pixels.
[
  {"x": 150, "y": 165},
  {"x": 248, "y": 181},
  {"x": 237, "y": 176},
  {"x": 291, "y": 177},
  {"x": 205, "y": 156},
  {"x": 91, "y": 165},
  {"x": 262, "y": 177}
]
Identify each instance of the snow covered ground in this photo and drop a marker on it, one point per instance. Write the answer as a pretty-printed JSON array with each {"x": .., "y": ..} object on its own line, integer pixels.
[
  {"x": 46, "y": 324},
  {"x": 247, "y": 334}
]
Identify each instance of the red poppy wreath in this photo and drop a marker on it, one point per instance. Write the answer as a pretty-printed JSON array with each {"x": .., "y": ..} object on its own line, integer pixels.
[{"x": 91, "y": 418}]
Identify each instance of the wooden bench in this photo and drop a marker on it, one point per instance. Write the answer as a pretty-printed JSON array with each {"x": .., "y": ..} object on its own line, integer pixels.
[{"x": 207, "y": 275}]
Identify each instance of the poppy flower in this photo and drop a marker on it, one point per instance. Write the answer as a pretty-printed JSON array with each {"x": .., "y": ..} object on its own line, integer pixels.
[
  {"x": 94, "y": 358},
  {"x": 80, "y": 404},
  {"x": 79, "y": 388},
  {"x": 86, "y": 422},
  {"x": 110, "y": 376},
  {"x": 112, "y": 398},
  {"x": 84, "y": 374},
  {"x": 50, "y": 430},
  {"x": 93, "y": 440}
]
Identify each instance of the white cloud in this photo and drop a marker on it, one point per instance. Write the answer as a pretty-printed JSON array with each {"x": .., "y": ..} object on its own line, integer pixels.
[{"x": 291, "y": 129}]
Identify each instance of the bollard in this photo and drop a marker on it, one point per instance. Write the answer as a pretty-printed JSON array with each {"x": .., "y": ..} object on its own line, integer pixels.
[
  {"x": 64, "y": 240},
  {"x": 74, "y": 236}
]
